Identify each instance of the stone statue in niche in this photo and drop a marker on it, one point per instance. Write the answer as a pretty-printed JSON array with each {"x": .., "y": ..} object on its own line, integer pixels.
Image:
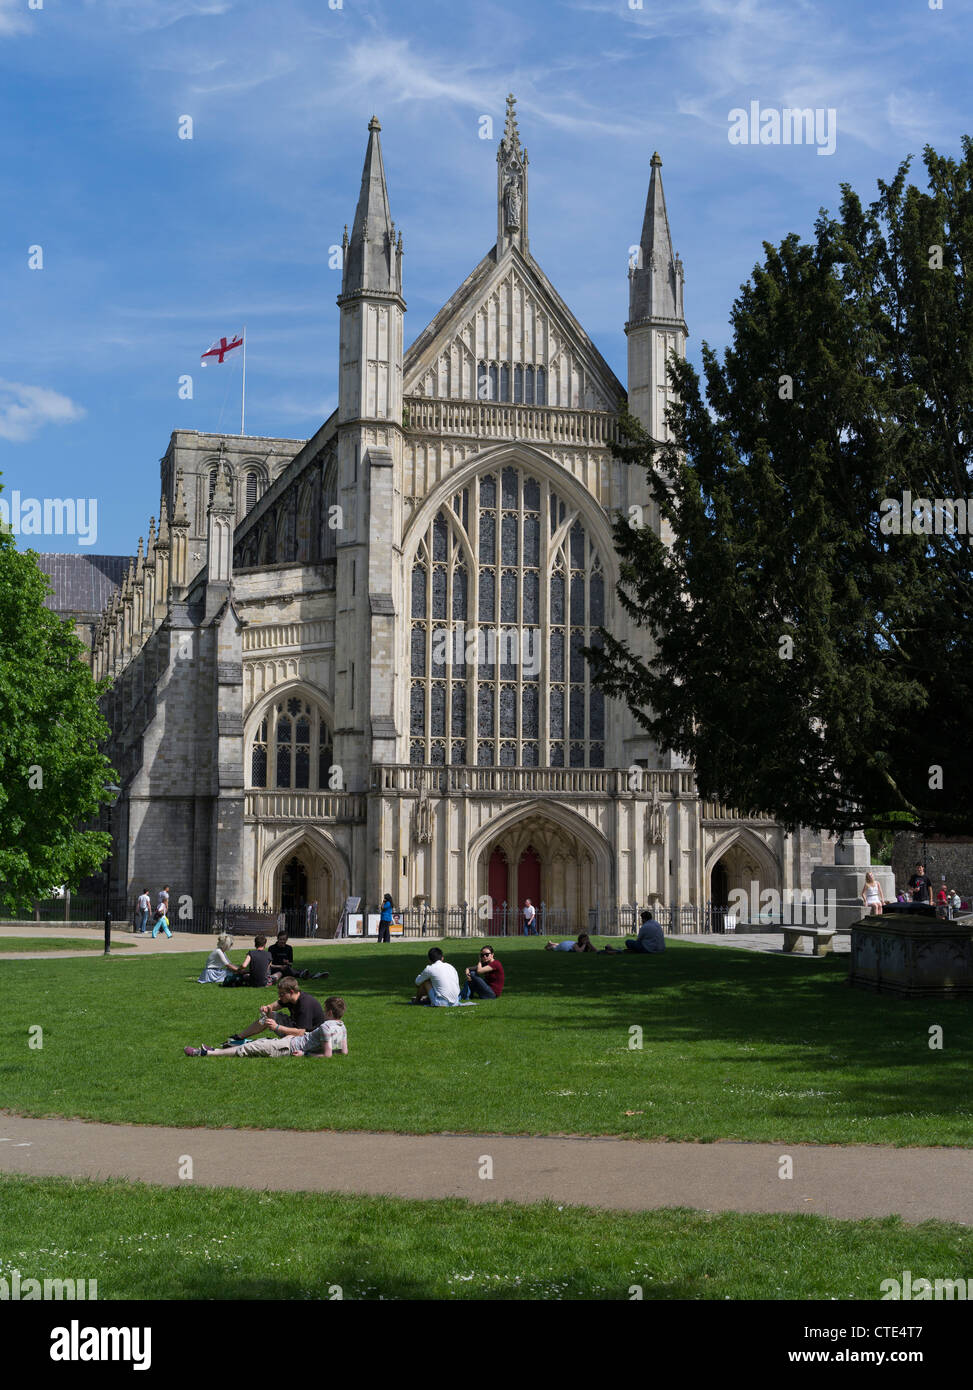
[
  {"x": 422, "y": 820},
  {"x": 511, "y": 202},
  {"x": 655, "y": 821}
]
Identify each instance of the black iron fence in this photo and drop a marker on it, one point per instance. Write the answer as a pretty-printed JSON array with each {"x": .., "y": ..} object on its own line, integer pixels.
[
  {"x": 685, "y": 920},
  {"x": 506, "y": 919}
]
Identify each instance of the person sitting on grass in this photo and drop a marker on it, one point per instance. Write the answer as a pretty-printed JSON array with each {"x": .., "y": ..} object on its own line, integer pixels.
[
  {"x": 304, "y": 1013},
  {"x": 218, "y": 964},
  {"x": 282, "y": 962},
  {"x": 438, "y": 984},
  {"x": 328, "y": 1037},
  {"x": 255, "y": 970},
  {"x": 650, "y": 940},
  {"x": 582, "y": 944},
  {"x": 485, "y": 979}
]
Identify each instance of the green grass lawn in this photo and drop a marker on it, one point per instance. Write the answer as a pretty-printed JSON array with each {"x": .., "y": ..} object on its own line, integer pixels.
[
  {"x": 736, "y": 1045},
  {"x": 58, "y": 943},
  {"x": 142, "y": 1241}
]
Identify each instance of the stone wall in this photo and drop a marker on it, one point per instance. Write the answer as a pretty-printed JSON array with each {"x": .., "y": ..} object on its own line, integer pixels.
[{"x": 951, "y": 859}]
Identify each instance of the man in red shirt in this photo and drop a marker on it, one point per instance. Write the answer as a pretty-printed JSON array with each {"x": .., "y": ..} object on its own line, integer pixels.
[{"x": 485, "y": 979}]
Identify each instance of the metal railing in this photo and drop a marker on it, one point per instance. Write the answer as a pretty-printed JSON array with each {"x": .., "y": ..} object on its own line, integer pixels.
[
  {"x": 504, "y": 919},
  {"x": 685, "y": 920}
]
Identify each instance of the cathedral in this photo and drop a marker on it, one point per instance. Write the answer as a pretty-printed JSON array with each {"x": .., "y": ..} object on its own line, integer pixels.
[{"x": 353, "y": 665}]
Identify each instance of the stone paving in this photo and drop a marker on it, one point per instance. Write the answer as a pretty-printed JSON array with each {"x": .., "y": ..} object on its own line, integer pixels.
[{"x": 769, "y": 941}]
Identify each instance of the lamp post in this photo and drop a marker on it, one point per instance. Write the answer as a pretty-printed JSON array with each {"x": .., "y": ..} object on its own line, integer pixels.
[{"x": 115, "y": 790}]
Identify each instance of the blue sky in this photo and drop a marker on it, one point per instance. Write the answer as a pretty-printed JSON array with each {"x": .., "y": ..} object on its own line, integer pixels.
[{"x": 153, "y": 246}]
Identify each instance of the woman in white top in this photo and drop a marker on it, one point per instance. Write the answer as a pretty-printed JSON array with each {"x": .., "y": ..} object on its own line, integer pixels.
[
  {"x": 872, "y": 896},
  {"x": 217, "y": 964}
]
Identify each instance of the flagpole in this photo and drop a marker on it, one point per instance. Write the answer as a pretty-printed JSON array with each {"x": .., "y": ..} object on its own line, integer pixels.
[{"x": 243, "y": 395}]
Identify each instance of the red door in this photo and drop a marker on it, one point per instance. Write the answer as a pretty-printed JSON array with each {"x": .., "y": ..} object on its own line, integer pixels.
[
  {"x": 529, "y": 886},
  {"x": 499, "y": 893}
]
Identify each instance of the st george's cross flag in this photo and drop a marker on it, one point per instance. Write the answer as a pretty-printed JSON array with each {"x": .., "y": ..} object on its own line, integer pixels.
[{"x": 221, "y": 348}]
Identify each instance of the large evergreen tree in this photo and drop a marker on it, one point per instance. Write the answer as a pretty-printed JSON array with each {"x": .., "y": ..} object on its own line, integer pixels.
[
  {"x": 812, "y": 662},
  {"x": 53, "y": 777}
]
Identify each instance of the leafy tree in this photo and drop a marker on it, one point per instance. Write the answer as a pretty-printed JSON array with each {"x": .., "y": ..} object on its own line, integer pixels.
[
  {"x": 813, "y": 662},
  {"x": 52, "y": 774}
]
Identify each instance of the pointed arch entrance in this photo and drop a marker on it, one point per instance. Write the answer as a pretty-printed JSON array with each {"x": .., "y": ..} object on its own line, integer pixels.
[
  {"x": 548, "y": 854},
  {"x": 293, "y": 884},
  {"x": 304, "y": 867},
  {"x": 741, "y": 862}
]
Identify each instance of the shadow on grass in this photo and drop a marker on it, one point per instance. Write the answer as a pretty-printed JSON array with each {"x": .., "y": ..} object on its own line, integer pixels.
[{"x": 773, "y": 1030}]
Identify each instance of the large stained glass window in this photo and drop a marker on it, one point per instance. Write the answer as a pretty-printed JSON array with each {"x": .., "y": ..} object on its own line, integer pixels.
[{"x": 507, "y": 588}]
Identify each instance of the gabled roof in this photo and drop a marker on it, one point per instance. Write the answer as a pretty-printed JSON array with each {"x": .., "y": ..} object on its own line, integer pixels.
[{"x": 475, "y": 291}]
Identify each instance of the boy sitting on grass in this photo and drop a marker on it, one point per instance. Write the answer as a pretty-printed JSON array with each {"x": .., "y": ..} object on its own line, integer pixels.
[{"x": 329, "y": 1037}]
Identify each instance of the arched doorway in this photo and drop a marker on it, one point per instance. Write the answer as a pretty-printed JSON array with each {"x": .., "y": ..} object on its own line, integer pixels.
[
  {"x": 499, "y": 891},
  {"x": 742, "y": 870},
  {"x": 719, "y": 885},
  {"x": 293, "y": 885},
  {"x": 719, "y": 895},
  {"x": 300, "y": 870},
  {"x": 548, "y": 854}
]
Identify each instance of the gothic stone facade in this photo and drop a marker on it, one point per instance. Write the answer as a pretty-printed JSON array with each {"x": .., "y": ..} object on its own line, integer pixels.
[{"x": 353, "y": 665}]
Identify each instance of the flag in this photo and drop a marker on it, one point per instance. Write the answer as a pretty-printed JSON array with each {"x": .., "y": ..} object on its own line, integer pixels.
[{"x": 218, "y": 352}]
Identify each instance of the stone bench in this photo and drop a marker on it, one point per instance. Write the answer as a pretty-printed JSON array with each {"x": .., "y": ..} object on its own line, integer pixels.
[{"x": 822, "y": 939}]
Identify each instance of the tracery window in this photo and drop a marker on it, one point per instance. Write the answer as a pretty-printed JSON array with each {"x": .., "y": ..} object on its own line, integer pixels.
[
  {"x": 294, "y": 746},
  {"x": 487, "y": 688},
  {"x": 494, "y": 381}
]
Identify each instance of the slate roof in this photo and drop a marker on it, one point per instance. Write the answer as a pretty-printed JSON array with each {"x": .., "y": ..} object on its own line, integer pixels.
[{"x": 82, "y": 583}]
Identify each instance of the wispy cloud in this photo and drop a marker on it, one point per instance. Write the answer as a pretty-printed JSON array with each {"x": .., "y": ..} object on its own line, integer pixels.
[
  {"x": 160, "y": 14},
  {"x": 14, "y": 18},
  {"x": 26, "y": 409}
]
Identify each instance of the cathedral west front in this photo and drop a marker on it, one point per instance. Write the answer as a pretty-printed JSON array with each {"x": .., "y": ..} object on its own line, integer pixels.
[{"x": 353, "y": 665}]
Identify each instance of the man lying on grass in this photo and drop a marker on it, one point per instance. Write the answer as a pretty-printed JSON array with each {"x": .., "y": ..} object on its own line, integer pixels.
[
  {"x": 304, "y": 1012},
  {"x": 329, "y": 1037}
]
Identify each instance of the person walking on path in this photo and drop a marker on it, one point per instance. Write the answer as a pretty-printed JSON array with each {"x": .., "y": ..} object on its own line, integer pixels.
[
  {"x": 530, "y": 917},
  {"x": 161, "y": 920},
  {"x": 142, "y": 909},
  {"x": 385, "y": 919}
]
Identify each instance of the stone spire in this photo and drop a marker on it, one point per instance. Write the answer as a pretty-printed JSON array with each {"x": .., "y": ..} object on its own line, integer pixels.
[
  {"x": 161, "y": 586},
  {"x": 373, "y": 256},
  {"x": 655, "y": 274},
  {"x": 219, "y": 526},
  {"x": 511, "y": 187},
  {"x": 179, "y": 564}
]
